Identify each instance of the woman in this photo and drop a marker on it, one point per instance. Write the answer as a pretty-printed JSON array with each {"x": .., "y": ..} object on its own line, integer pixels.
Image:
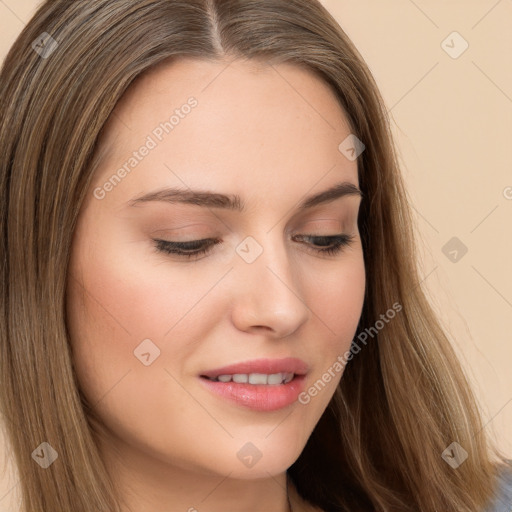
[{"x": 210, "y": 295}]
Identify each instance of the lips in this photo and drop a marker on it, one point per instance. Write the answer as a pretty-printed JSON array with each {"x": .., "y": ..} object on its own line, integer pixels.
[{"x": 242, "y": 384}]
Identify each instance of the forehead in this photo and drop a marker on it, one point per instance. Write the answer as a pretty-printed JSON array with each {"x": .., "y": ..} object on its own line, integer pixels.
[
  {"x": 250, "y": 118},
  {"x": 232, "y": 79}
]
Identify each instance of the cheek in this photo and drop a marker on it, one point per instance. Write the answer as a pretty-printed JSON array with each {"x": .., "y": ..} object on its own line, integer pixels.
[
  {"x": 104, "y": 311},
  {"x": 120, "y": 299},
  {"x": 129, "y": 294},
  {"x": 337, "y": 297},
  {"x": 122, "y": 303},
  {"x": 337, "y": 304}
]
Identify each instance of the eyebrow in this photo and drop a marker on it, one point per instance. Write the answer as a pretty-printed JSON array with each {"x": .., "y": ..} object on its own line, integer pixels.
[{"x": 233, "y": 202}]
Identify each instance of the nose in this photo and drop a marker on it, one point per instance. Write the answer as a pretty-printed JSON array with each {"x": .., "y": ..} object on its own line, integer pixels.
[{"x": 267, "y": 292}]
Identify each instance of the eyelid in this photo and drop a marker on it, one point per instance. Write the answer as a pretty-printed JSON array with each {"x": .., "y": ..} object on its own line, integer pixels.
[
  {"x": 181, "y": 249},
  {"x": 335, "y": 222},
  {"x": 177, "y": 231}
]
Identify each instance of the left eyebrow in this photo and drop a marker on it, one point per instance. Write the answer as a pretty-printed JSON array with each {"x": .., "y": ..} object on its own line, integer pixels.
[{"x": 233, "y": 202}]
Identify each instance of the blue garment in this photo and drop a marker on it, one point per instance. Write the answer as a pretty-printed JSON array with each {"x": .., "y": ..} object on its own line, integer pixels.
[{"x": 502, "y": 501}]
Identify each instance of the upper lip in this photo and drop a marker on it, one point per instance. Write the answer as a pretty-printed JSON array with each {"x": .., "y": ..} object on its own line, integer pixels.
[{"x": 267, "y": 366}]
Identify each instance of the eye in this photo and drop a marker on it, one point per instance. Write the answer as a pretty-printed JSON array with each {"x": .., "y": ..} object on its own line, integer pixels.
[
  {"x": 325, "y": 245},
  {"x": 189, "y": 250},
  {"x": 330, "y": 245}
]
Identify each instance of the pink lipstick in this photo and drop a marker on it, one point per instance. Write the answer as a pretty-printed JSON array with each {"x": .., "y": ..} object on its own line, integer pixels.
[{"x": 260, "y": 384}]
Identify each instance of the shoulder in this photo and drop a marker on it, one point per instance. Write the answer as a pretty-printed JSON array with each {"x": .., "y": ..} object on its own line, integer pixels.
[{"x": 502, "y": 500}]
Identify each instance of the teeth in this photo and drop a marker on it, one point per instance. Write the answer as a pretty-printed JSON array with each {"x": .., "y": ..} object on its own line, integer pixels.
[
  {"x": 288, "y": 378},
  {"x": 275, "y": 378},
  {"x": 257, "y": 378}
]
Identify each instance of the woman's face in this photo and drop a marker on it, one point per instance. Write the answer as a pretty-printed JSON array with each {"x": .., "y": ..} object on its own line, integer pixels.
[{"x": 148, "y": 325}]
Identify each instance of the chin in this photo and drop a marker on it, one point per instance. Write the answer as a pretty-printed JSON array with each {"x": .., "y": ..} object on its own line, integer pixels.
[{"x": 246, "y": 460}]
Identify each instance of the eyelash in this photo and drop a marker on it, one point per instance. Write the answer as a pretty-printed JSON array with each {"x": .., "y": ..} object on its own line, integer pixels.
[{"x": 183, "y": 249}]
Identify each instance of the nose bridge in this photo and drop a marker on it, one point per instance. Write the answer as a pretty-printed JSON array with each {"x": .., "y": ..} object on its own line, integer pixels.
[{"x": 270, "y": 293}]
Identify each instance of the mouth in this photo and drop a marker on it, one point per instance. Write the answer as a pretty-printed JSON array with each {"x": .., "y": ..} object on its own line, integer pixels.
[
  {"x": 260, "y": 385},
  {"x": 274, "y": 379}
]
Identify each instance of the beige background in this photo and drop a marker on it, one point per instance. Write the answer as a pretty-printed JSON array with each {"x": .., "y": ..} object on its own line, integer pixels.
[{"x": 452, "y": 118}]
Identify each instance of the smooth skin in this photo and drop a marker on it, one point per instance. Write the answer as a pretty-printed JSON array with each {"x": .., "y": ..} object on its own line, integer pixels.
[{"x": 269, "y": 134}]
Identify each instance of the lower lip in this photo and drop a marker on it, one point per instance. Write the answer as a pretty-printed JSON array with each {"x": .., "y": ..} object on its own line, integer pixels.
[{"x": 258, "y": 397}]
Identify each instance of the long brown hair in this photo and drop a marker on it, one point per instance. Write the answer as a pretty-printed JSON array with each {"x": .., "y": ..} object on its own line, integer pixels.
[{"x": 402, "y": 400}]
